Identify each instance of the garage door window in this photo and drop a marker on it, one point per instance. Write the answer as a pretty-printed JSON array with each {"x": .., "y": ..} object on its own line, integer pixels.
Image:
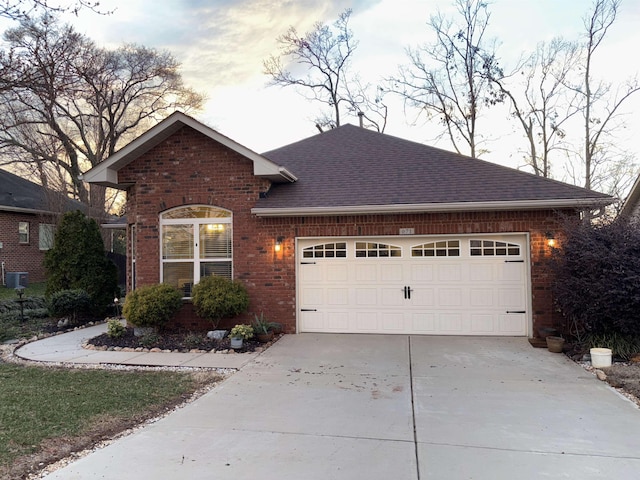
[
  {"x": 490, "y": 248},
  {"x": 444, "y": 248},
  {"x": 369, "y": 249},
  {"x": 326, "y": 250}
]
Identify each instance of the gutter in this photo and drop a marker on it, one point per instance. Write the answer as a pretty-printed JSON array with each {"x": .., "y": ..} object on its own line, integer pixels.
[{"x": 432, "y": 207}]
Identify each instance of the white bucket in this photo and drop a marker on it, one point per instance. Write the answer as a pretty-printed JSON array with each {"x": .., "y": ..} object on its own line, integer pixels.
[{"x": 600, "y": 357}]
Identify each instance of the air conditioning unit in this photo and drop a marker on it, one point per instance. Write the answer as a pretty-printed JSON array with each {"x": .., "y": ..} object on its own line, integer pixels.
[{"x": 14, "y": 279}]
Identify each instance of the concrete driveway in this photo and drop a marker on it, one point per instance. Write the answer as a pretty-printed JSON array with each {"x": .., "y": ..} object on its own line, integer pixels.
[{"x": 388, "y": 407}]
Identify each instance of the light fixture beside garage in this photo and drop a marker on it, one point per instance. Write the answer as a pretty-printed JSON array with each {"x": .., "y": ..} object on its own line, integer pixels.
[
  {"x": 551, "y": 241},
  {"x": 278, "y": 245}
]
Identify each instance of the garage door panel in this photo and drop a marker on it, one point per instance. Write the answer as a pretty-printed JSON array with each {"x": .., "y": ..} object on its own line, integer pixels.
[
  {"x": 442, "y": 290},
  {"x": 391, "y": 272},
  {"x": 481, "y": 272},
  {"x": 423, "y": 297},
  {"x": 337, "y": 296},
  {"x": 392, "y": 322},
  {"x": 367, "y": 321},
  {"x": 450, "y": 297},
  {"x": 366, "y": 272},
  {"x": 483, "y": 323},
  {"x": 450, "y": 323},
  {"x": 366, "y": 296},
  {"x": 422, "y": 273},
  {"x": 449, "y": 273},
  {"x": 338, "y": 320},
  {"x": 392, "y": 296},
  {"x": 423, "y": 322},
  {"x": 481, "y": 297},
  {"x": 512, "y": 324},
  {"x": 337, "y": 273},
  {"x": 312, "y": 297}
]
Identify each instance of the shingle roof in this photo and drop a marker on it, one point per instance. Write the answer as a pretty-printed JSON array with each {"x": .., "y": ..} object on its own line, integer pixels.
[
  {"x": 18, "y": 194},
  {"x": 352, "y": 166}
]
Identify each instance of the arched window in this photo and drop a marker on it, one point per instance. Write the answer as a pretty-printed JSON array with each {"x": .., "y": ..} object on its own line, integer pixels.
[{"x": 196, "y": 242}]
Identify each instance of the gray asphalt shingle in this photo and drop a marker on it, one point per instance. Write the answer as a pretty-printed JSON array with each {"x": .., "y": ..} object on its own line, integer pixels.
[{"x": 350, "y": 166}]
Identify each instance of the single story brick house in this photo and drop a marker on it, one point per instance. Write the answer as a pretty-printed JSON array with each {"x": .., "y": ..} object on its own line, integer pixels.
[
  {"x": 348, "y": 231},
  {"x": 28, "y": 215}
]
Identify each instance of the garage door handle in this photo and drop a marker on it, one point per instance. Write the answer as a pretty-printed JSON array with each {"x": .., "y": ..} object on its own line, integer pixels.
[
  {"x": 307, "y": 263},
  {"x": 514, "y": 261},
  {"x": 516, "y": 311},
  {"x": 308, "y": 310},
  {"x": 407, "y": 293}
]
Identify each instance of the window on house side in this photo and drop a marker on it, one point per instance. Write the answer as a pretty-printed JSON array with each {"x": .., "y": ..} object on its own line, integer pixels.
[
  {"x": 23, "y": 232},
  {"x": 46, "y": 234}
]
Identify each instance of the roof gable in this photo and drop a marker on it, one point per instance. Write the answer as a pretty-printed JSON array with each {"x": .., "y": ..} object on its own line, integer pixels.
[
  {"x": 353, "y": 170},
  {"x": 106, "y": 173}
]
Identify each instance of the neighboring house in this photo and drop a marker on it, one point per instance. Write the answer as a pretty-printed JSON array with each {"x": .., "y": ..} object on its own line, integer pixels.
[
  {"x": 631, "y": 206},
  {"x": 347, "y": 231},
  {"x": 28, "y": 215}
]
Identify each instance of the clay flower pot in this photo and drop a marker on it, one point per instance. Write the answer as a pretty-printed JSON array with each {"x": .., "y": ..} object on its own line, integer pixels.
[{"x": 555, "y": 344}]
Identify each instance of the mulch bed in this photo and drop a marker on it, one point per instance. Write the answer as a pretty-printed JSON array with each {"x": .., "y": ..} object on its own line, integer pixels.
[{"x": 183, "y": 342}]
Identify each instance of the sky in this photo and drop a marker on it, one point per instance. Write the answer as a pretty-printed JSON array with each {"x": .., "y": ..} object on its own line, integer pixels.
[{"x": 222, "y": 44}]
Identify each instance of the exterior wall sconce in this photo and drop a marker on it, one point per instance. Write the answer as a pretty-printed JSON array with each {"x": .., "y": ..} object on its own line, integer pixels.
[
  {"x": 551, "y": 241},
  {"x": 278, "y": 245}
]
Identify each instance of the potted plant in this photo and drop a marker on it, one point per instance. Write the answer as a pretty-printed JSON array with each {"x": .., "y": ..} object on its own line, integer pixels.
[
  {"x": 239, "y": 333},
  {"x": 262, "y": 328}
]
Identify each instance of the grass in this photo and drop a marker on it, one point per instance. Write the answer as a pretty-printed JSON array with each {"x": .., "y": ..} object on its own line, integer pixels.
[
  {"x": 39, "y": 404},
  {"x": 33, "y": 290}
]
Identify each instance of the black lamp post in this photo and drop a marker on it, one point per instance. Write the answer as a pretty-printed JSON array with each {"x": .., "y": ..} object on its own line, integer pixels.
[{"x": 21, "y": 300}]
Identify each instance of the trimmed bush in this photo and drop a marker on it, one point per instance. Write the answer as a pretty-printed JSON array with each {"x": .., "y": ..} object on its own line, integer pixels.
[
  {"x": 115, "y": 329},
  {"x": 70, "y": 303},
  {"x": 215, "y": 298},
  {"x": 77, "y": 260},
  {"x": 152, "y": 305}
]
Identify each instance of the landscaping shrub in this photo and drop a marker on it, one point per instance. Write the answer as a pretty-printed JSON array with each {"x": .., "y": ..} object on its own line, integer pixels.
[
  {"x": 70, "y": 303},
  {"x": 215, "y": 298},
  {"x": 152, "y": 305},
  {"x": 597, "y": 284},
  {"x": 30, "y": 303},
  {"x": 115, "y": 328},
  {"x": 77, "y": 260}
]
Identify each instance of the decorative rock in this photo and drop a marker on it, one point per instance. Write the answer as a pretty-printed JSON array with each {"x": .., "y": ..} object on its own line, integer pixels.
[
  {"x": 140, "y": 349},
  {"x": 601, "y": 375},
  {"x": 128, "y": 349},
  {"x": 117, "y": 349},
  {"x": 155, "y": 350},
  {"x": 259, "y": 350}
]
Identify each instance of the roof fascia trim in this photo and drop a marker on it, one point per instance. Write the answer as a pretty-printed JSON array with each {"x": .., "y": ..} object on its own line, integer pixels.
[{"x": 432, "y": 207}]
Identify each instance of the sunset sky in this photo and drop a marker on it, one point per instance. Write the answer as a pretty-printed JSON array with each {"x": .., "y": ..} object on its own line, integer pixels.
[{"x": 222, "y": 43}]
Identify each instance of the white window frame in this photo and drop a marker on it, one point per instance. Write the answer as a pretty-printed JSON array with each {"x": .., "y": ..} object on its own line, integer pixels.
[
  {"x": 23, "y": 233},
  {"x": 195, "y": 223}
]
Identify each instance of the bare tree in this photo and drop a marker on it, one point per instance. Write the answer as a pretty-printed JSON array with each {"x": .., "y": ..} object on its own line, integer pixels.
[
  {"x": 600, "y": 102},
  {"x": 447, "y": 79},
  {"x": 79, "y": 103},
  {"x": 539, "y": 100},
  {"x": 324, "y": 55},
  {"x": 23, "y": 9}
]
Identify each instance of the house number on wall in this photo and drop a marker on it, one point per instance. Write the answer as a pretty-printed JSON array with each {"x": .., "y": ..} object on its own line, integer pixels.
[{"x": 407, "y": 231}]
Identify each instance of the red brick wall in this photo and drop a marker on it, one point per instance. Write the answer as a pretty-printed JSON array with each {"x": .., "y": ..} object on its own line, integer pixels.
[
  {"x": 188, "y": 168},
  {"x": 19, "y": 257}
]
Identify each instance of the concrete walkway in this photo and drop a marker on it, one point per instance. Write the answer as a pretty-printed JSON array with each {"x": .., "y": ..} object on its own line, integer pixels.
[
  {"x": 67, "y": 348},
  {"x": 388, "y": 407}
]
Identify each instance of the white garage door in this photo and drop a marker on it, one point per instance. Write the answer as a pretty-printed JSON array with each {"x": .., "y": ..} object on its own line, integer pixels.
[{"x": 418, "y": 285}]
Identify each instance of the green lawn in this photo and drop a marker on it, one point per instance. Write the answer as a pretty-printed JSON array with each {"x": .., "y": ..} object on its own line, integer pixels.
[
  {"x": 33, "y": 290},
  {"x": 40, "y": 403}
]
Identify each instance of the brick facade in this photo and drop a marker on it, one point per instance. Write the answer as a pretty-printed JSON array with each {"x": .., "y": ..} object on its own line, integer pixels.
[
  {"x": 189, "y": 168},
  {"x": 22, "y": 257}
]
